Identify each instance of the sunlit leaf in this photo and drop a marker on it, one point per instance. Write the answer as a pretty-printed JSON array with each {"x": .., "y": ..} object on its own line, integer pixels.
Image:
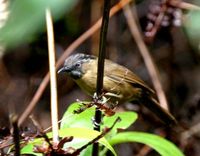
[
  {"x": 28, "y": 149},
  {"x": 84, "y": 119},
  {"x": 161, "y": 145},
  {"x": 127, "y": 118}
]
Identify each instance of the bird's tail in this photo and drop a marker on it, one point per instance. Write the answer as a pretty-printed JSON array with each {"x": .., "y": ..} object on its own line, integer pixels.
[{"x": 153, "y": 105}]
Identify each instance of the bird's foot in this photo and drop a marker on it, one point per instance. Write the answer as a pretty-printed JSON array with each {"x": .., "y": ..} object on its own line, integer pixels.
[{"x": 101, "y": 103}]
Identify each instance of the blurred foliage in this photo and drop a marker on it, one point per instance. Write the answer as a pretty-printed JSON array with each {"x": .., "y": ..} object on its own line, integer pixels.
[
  {"x": 28, "y": 17},
  {"x": 192, "y": 28}
]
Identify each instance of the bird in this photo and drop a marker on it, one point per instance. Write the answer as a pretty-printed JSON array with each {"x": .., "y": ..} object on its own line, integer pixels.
[{"x": 120, "y": 84}]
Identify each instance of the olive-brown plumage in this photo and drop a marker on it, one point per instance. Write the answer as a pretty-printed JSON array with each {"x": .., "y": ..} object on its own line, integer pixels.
[{"x": 120, "y": 84}]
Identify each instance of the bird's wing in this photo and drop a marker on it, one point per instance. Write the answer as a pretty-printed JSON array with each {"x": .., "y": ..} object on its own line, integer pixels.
[
  {"x": 119, "y": 73},
  {"x": 124, "y": 74}
]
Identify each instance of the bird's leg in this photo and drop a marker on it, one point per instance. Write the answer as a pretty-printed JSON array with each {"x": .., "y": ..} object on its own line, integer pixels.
[
  {"x": 97, "y": 101},
  {"x": 101, "y": 99},
  {"x": 101, "y": 102}
]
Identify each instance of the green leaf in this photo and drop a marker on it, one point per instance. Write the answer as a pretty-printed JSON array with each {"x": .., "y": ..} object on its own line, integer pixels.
[
  {"x": 161, "y": 145},
  {"x": 28, "y": 149},
  {"x": 28, "y": 17},
  {"x": 81, "y": 137},
  {"x": 87, "y": 134},
  {"x": 127, "y": 118},
  {"x": 84, "y": 119}
]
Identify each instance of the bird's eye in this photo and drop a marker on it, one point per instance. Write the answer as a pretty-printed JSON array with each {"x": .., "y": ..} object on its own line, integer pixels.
[{"x": 78, "y": 64}]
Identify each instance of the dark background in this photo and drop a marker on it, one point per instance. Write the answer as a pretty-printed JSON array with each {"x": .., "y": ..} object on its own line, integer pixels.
[{"x": 23, "y": 68}]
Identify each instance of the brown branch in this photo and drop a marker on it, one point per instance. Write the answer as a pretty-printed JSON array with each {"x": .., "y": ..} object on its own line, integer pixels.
[
  {"x": 152, "y": 69},
  {"x": 183, "y": 5},
  {"x": 190, "y": 132},
  {"x": 66, "y": 53}
]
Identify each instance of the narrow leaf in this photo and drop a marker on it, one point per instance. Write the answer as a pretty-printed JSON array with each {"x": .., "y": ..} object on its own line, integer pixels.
[{"x": 161, "y": 145}]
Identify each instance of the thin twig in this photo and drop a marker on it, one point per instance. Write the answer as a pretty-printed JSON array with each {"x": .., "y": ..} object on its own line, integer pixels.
[
  {"x": 66, "y": 53},
  {"x": 100, "y": 69},
  {"x": 52, "y": 68},
  {"x": 64, "y": 118},
  {"x": 36, "y": 123},
  {"x": 183, "y": 5},
  {"x": 152, "y": 69},
  {"x": 190, "y": 132}
]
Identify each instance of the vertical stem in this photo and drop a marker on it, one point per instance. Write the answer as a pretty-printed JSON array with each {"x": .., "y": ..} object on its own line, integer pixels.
[
  {"x": 100, "y": 71},
  {"x": 16, "y": 135},
  {"x": 52, "y": 68}
]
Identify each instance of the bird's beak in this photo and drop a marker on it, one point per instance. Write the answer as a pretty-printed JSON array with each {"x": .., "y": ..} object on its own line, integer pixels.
[
  {"x": 61, "y": 70},
  {"x": 64, "y": 69}
]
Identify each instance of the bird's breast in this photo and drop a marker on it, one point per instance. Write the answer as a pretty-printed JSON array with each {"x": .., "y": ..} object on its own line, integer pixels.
[{"x": 88, "y": 82}]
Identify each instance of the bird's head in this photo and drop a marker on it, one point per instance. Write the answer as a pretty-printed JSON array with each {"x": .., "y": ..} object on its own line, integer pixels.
[{"x": 73, "y": 65}]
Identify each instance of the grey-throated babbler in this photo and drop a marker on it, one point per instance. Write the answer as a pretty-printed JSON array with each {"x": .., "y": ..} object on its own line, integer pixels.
[{"x": 119, "y": 83}]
